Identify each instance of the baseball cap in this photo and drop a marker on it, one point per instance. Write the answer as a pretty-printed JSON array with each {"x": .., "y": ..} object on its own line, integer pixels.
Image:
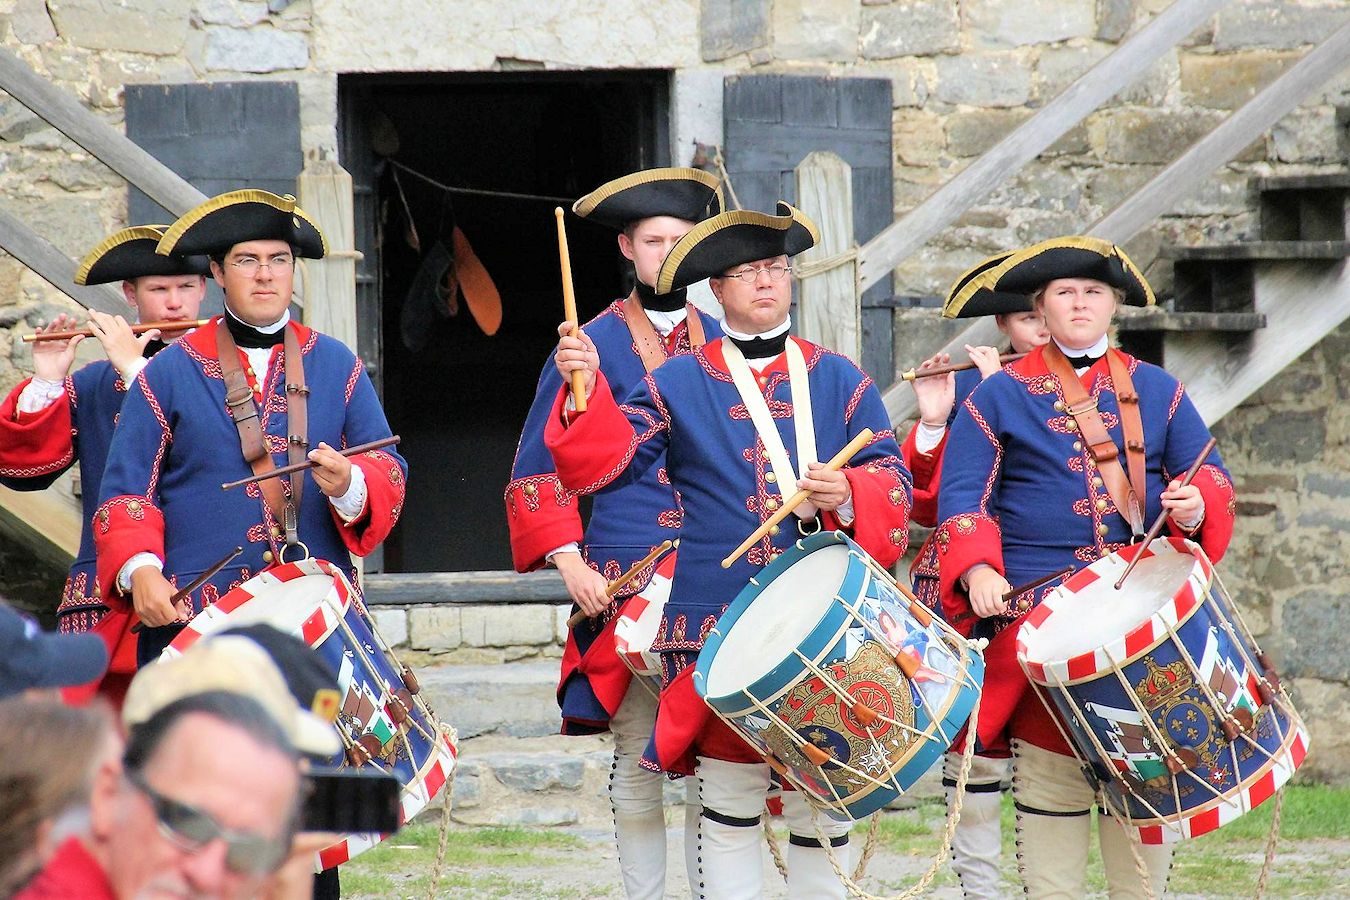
[
  {"x": 33, "y": 658},
  {"x": 229, "y": 663}
]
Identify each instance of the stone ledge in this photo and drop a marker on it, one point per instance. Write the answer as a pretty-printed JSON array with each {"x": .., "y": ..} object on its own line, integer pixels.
[{"x": 1271, "y": 250}]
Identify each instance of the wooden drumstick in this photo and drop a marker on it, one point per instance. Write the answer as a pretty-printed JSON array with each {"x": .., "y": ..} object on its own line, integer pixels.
[
  {"x": 617, "y": 584},
  {"x": 570, "y": 307},
  {"x": 138, "y": 328},
  {"x": 1156, "y": 528},
  {"x": 309, "y": 463},
  {"x": 1039, "y": 582},
  {"x": 862, "y": 439},
  {"x": 183, "y": 593},
  {"x": 912, "y": 374}
]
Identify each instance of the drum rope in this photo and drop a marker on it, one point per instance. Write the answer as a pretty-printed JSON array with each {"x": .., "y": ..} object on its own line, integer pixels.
[
  {"x": 774, "y": 850},
  {"x": 1271, "y": 843},
  {"x": 940, "y": 858},
  {"x": 1140, "y": 869},
  {"x": 869, "y": 847},
  {"x": 452, "y": 738}
]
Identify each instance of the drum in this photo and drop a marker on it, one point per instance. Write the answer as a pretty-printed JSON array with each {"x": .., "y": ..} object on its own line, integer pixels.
[
  {"x": 384, "y": 723},
  {"x": 1165, "y": 693},
  {"x": 845, "y": 687},
  {"x": 638, "y": 624}
]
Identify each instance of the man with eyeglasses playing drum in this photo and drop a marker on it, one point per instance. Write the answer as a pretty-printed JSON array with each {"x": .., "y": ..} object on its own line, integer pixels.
[
  {"x": 1036, "y": 489},
  {"x": 701, "y": 412},
  {"x": 651, "y": 210}
]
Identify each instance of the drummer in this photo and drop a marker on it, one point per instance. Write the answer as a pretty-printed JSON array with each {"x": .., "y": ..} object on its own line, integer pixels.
[
  {"x": 730, "y": 478},
  {"x": 54, "y": 419},
  {"x": 977, "y": 841},
  {"x": 1028, "y": 496},
  {"x": 650, "y": 210}
]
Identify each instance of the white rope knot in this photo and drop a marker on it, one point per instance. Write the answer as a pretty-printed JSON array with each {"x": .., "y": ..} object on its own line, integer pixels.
[{"x": 817, "y": 266}]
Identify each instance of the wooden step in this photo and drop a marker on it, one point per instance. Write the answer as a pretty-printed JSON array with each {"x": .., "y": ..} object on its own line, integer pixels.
[
  {"x": 1168, "y": 320},
  {"x": 1327, "y": 181},
  {"x": 1259, "y": 250}
]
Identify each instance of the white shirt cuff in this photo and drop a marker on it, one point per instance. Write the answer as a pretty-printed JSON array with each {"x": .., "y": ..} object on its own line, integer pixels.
[
  {"x": 569, "y": 547},
  {"x": 131, "y": 565},
  {"x": 39, "y": 394},
  {"x": 845, "y": 511},
  {"x": 130, "y": 372},
  {"x": 1194, "y": 523},
  {"x": 928, "y": 436},
  {"x": 350, "y": 505}
]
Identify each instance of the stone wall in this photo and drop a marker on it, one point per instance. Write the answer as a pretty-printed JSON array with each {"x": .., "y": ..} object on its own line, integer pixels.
[{"x": 481, "y": 634}]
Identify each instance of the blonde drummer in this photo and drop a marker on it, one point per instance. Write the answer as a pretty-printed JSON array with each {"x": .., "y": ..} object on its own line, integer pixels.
[{"x": 1065, "y": 455}]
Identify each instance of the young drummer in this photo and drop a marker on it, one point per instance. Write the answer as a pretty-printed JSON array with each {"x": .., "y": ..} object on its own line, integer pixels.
[
  {"x": 651, "y": 210},
  {"x": 700, "y": 412},
  {"x": 55, "y": 419},
  {"x": 1036, "y": 488},
  {"x": 977, "y": 842}
]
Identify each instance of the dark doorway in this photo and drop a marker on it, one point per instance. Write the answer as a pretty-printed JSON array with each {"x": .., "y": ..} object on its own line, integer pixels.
[{"x": 522, "y": 143}]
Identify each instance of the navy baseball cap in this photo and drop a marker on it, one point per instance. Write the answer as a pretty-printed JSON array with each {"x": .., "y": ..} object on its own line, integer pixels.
[{"x": 33, "y": 658}]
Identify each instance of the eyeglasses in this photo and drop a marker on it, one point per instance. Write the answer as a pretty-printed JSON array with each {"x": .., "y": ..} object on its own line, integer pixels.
[
  {"x": 191, "y": 830},
  {"x": 750, "y": 274},
  {"x": 250, "y": 265}
]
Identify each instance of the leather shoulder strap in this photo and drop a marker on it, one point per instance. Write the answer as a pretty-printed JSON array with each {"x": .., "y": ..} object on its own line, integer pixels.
[
  {"x": 649, "y": 344},
  {"x": 239, "y": 399},
  {"x": 297, "y": 427},
  {"x": 1131, "y": 422},
  {"x": 695, "y": 325},
  {"x": 1100, "y": 444}
]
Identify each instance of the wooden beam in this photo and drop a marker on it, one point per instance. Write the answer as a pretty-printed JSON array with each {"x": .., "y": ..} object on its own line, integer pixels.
[
  {"x": 325, "y": 192},
  {"x": 35, "y": 252},
  {"x": 545, "y": 586},
  {"x": 43, "y": 521},
  {"x": 828, "y": 305},
  {"x": 1161, "y": 193},
  {"x": 67, "y": 115},
  {"x": 902, "y": 238}
]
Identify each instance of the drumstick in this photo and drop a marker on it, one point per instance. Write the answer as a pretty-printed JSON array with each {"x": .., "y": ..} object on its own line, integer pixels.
[
  {"x": 570, "y": 307},
  {"x": 1156, "y": 528},
  {"x": 955, "y": 367},
  {"x": 138, "y": 328},
  {"x": 197, "y": 582},
  {"x": 1032, "y": 585},
  {"x": 862, "y": 439},
  {"x": 309, "y": 463},
  {"x": 614, "y": 586}
]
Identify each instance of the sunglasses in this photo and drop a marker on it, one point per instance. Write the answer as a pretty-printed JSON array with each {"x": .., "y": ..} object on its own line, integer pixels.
[{"x": 190, "y": 830}]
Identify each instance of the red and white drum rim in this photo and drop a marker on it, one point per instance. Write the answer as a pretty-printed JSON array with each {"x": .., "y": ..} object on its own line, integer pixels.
[{"x": 1106, "y": 658}]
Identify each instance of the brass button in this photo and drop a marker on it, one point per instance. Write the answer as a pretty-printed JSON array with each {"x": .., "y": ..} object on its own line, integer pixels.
[
  {"x": 1077, "y": 445},
  {"x": 530, "y": 490},
  {"x": 267, "y": 556},
  {"x": 897, "y": 495},
  {"x": 1048, "y": 384},
  {"x": 965, "y": 522},
  {"x": 770, "y": 477},
  {"x": 872, "y": 469},
  {"x": 763, "y": 380},
  {"x": 1059, "y": 406},
  {"x": 134, "y": 506},
  {"x": 773, "y": 532},
  {"x": 1101, "y": 504},
  {"x": 276, "y": 533},
  {"x": 1091, "y": 463},
  {"x": 775, "y": 554},
  {"x": 771, "y": 503},
  {"x": 1096, "y": 481},
  {"x": 249, "y": 370},
  {"x": 1071, "y": 425},
  {"x": 1102, "y": 529}
]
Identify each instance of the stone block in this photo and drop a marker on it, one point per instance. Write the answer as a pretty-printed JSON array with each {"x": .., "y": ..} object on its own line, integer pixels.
[
  {"x": 157, "y": 27},
  {"x": 436, "y": 628},
  {"x": 392, "y": 625},
  {"x": 1017, "y": 23},
  {"x": 1059, "y": 67},
  {"x": 918, "y": 137},
  {"x": 255, "y": 50},
  {"x": 806, "y": 30},
  {"x": 511, "y": 626},
  {"x": 1308, "y": 135},
  {"x": 234, "y": 13},
  {"x": 911, "y": 81},
  {"x": 538, "y": 771},
  {"x": 1277, "y": 24},
  {"x": 1073, "y": 142},
  {"x": 31, "y": 22},
  {"x": 1326, "y": 708},
  {"x": 984, "y": 79},
  {"x": 731, "y": 27},
  {"x": 1289, "y": 438},
  {"x": 518, "y": 700},
  {"x": 17, "y": 121},
  {"x": 1306, "y": 618},
  {"x": 467, "y": 791},
  {"x": 1148, "y": 135},
  {"x": 1228, "y": 80},
  {"x": 919, "y": 332},
  {"x": 910, "y": 28},
  {"x": 972, "y": 132},
  {"x": 1330, "y": 484},
  {"x": 1266, "y": 484},
  {"x": 1114, "y": 19},
  {"x": 1153, "y": 88},
  {"x": 560, "y": 617}
]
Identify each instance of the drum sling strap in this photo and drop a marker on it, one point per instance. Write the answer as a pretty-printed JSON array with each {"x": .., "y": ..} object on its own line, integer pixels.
[
  {"x": 1125, "y": 494},
  {"x": 648, "y": 343},
  {"x": 757, "y": 408},
  {"x": 244, "y": 411}
]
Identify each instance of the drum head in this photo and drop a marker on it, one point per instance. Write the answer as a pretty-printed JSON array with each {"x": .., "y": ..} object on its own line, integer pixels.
[
  {"x": 778, "y": 619},
  {"x": 1088, "y": 612}
]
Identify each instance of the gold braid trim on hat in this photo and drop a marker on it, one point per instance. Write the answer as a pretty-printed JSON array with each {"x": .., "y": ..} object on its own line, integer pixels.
[
  {"x": 708, "y": 227},
  {"x": 801, "y": 219},
  {"x": 587, "y": 204},
  {"x": 112, "y": 242},
  {"x": 971, "y": 281},
  {"x": 283, "y": 202},
  {"x": 1096, "y": 245}
]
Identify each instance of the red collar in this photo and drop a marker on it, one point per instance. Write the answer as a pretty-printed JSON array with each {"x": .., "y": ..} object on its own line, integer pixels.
[
  {"x": 1033, "y": 365},
  {"x": 713, "y": 351},
  {"x": 203, "y": 340}
]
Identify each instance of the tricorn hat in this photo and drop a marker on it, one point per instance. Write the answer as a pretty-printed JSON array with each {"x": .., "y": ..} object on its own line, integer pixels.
[
  {"x": 735, "y": 237},
  {"x": 216, "y": 225},
  {"x": 1074, "y": 256},
  {"x": 971, "y": 296},
  {"x": 130, "y": 253},
  {"x": 683, "y": 193}
]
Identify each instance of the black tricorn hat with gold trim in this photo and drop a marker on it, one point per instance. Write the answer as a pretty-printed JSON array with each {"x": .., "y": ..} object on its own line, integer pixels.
[
  {"x": 130, "y": 254},
  {"x": 972, "y": 296},
  {"x": 680, "y": 192},
  {"x": 732, "y": 238},
  {"x": 216, "y": 225},
  {"x": 1074, "y": 256}
]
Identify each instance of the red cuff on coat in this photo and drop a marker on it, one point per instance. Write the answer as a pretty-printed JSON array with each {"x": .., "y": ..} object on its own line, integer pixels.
[
  {"x": 35, "y": 444},
  {"x": 880, "y": 511},
  {"x": 595, "y": 446},
  {"x": 123, "y": 527},
  {"x": 1216, "y": 531},
  {"x": 963, "y": 541},
  {"x": 542, "y": 516},
  {"x": 386, "y": 488}
]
